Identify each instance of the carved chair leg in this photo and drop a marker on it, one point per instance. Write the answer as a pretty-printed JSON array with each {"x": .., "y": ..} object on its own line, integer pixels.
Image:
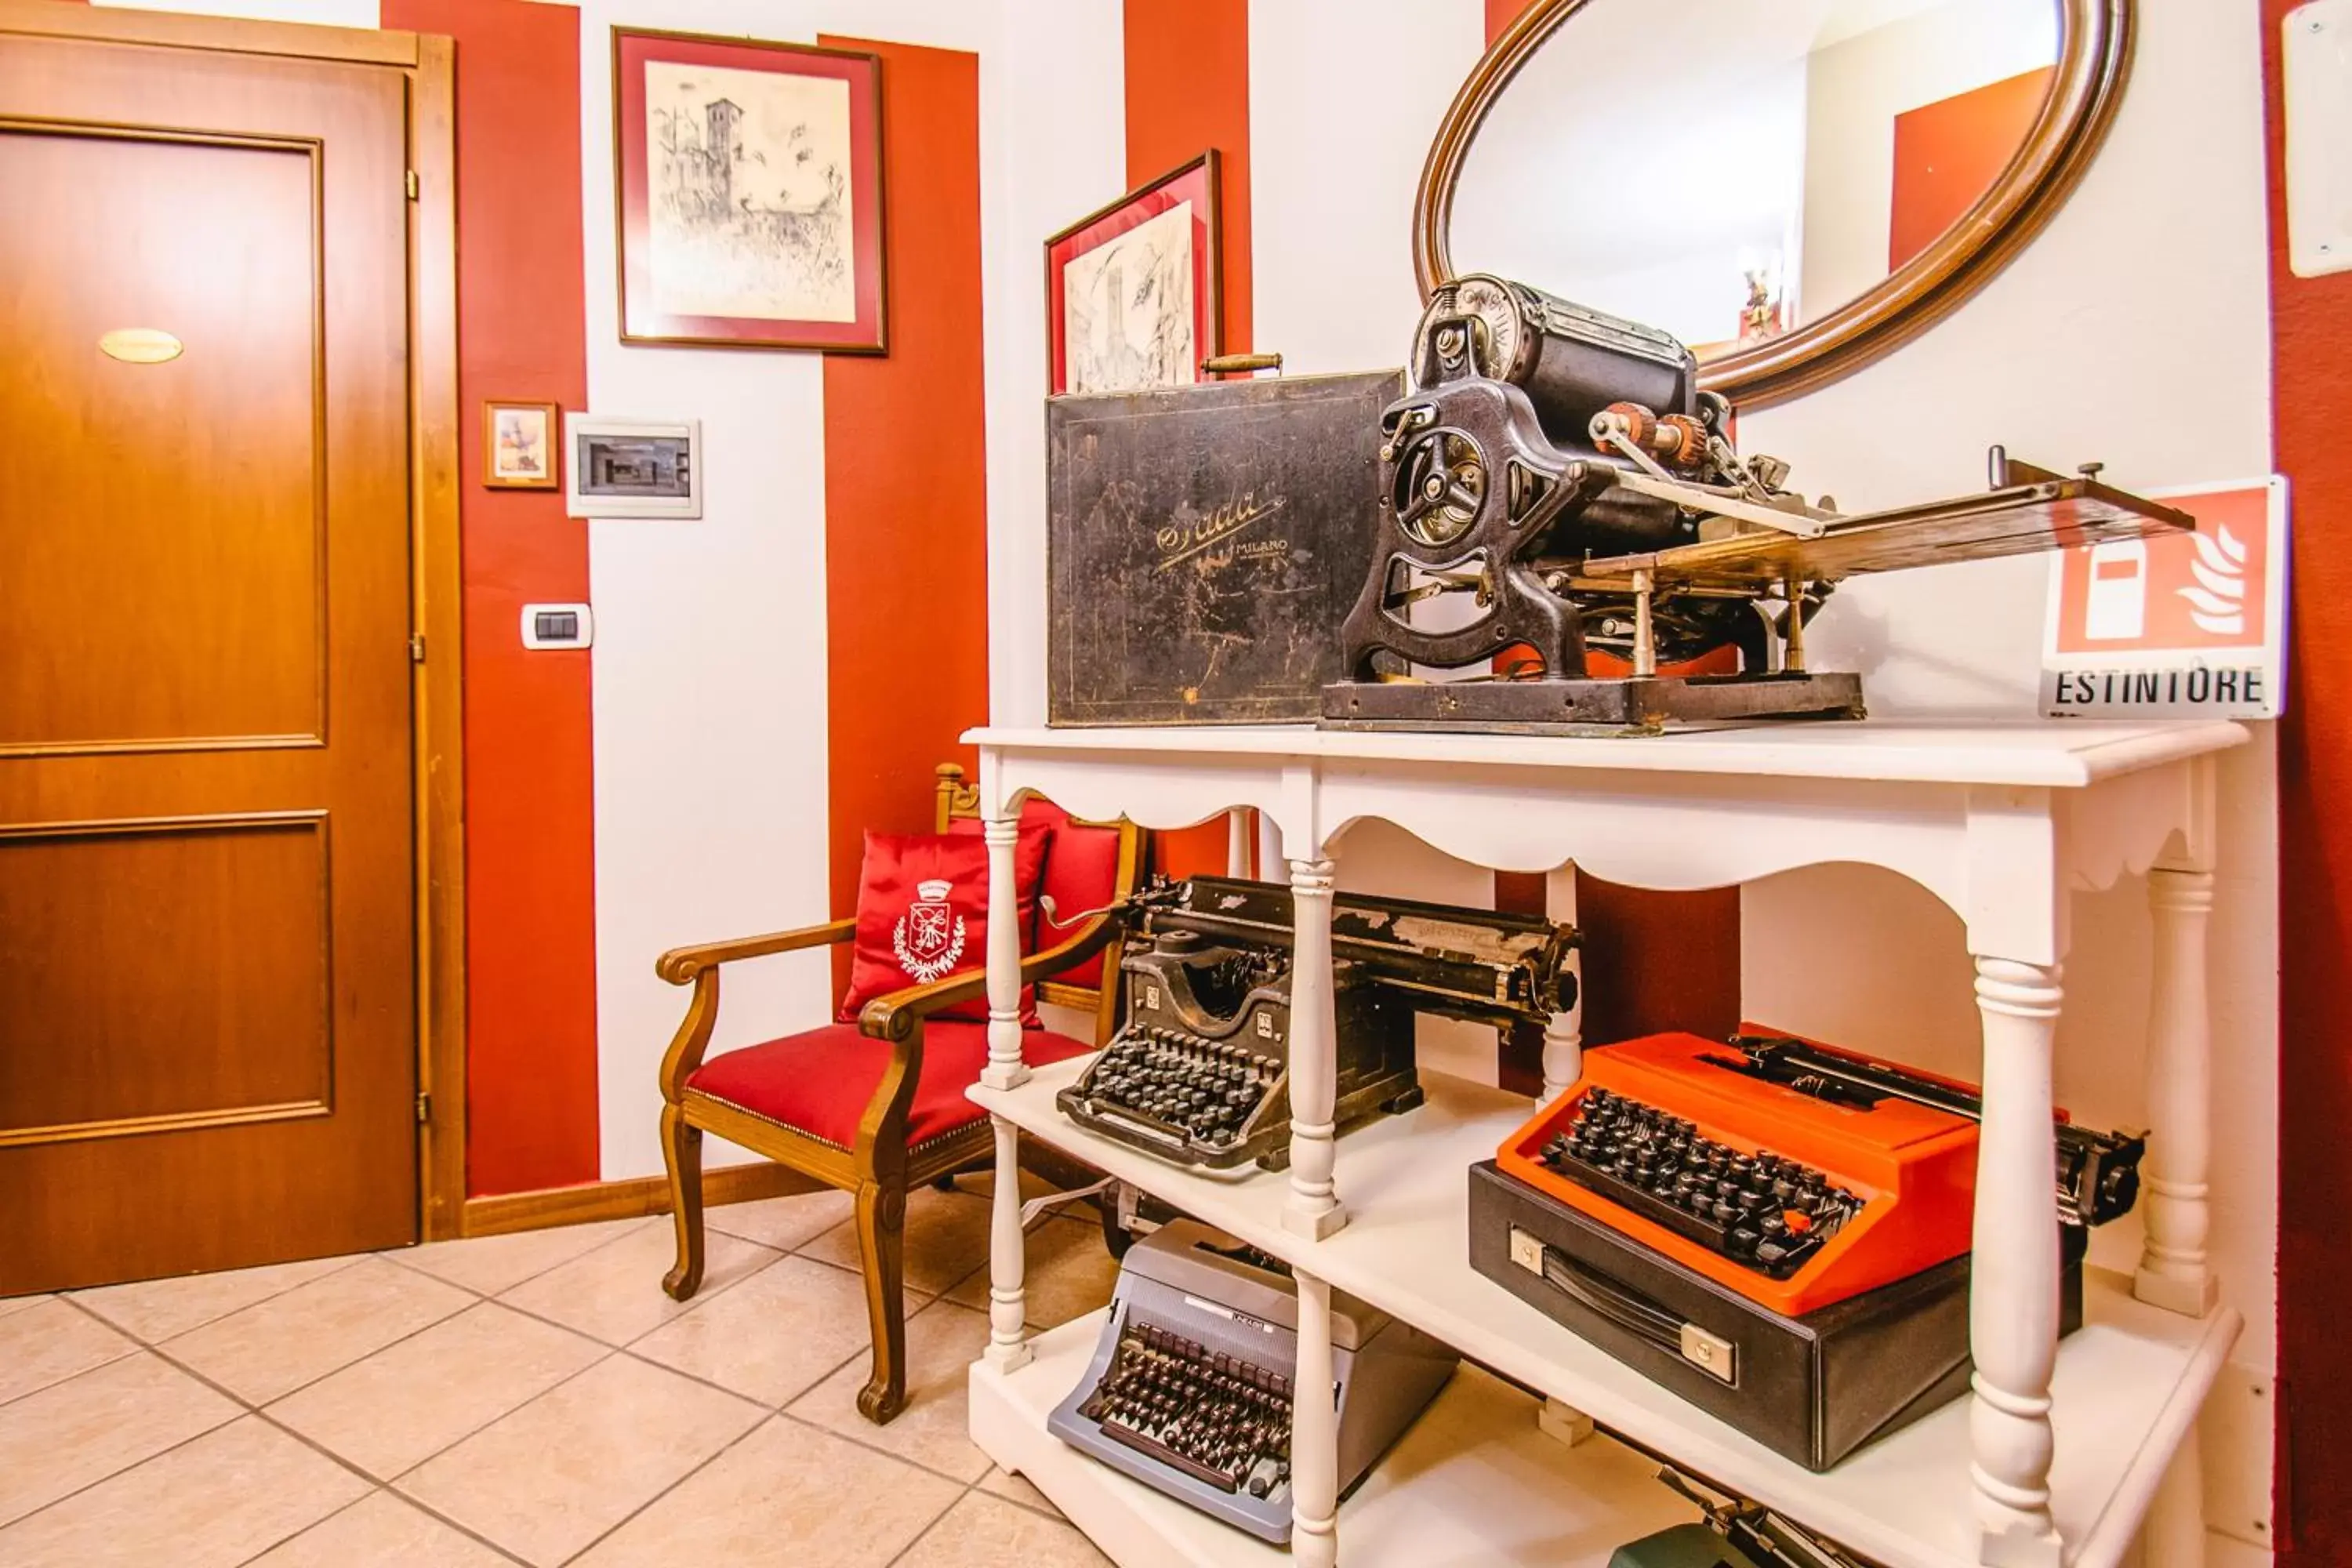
[
  {"x": 682, "y": 1153},
  {"x": 881, "y": 1246}
]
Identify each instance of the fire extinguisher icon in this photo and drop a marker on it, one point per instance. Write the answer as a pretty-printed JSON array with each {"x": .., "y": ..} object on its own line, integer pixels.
[{"x": 2118, "y": 610}]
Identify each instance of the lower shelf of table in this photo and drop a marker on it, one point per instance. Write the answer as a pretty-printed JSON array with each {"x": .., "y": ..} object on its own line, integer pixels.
[
  {"x": 1472, "y": 1482},
  {"x": 2128, "y": 1386}
]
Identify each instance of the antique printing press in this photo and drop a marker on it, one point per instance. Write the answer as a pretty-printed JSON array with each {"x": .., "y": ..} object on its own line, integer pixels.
[{"x": 1564, "y": 467}]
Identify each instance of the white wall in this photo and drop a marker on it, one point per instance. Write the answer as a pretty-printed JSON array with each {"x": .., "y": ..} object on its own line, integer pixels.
[
  {"x": 1344, "y": 100},
  {"x": 1854, "y": 90},
  {"x": 710, "y": 712},
  {"x": 1054, "y": 149}
]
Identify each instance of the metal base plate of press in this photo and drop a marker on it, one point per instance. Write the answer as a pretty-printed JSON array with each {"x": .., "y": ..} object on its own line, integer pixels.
[{"x": 1644, "y": 705}]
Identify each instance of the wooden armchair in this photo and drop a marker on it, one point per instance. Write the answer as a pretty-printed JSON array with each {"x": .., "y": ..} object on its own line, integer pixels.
[{"x": 877, "y": 1106}]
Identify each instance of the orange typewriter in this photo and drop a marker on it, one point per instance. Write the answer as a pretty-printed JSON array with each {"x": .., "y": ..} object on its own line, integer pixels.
[{"x": 1790, "y": 1172}]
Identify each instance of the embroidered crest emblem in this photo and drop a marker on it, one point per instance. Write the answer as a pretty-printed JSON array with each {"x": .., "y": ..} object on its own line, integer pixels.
[{"x": 928, "y": 939}]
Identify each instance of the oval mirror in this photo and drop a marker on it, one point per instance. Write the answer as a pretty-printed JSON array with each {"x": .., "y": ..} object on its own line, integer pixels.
[{"x": 1792, "y": 187}]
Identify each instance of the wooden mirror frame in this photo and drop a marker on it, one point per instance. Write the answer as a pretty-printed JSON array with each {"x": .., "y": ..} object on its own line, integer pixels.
[{"x": 2093, "y": 60}]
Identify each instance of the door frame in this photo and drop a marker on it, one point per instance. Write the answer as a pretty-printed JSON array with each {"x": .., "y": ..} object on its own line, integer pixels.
[{"x": 436, "y": 696}]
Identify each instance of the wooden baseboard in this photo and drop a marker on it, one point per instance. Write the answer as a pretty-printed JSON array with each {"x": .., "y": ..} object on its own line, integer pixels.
[{"x": 504, "y": 1212}]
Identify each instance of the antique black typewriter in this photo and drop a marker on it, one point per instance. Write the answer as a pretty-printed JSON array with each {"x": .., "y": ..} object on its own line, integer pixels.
[
  {"x": 1198, "y": 1072},
  {"x": 1190, "y": 1385}
]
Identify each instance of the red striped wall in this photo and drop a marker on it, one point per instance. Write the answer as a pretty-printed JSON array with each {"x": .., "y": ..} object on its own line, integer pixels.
[
  {"x": 1188, "y": 90},
  {"x": 531, "y": 933},
  {"x": 905, "y": 493},
  {"x": 2311, "y": 342}
]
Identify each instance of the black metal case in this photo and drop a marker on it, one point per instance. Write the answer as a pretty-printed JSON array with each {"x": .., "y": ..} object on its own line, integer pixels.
[
  {"x": 1204, "y": 545},
  {"x": 1813, "y": 1389}
]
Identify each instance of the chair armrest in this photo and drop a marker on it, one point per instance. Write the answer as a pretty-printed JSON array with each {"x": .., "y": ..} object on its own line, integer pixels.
[
  {"x": 897, "y": 1018},
  {"x": 699, "y": 966},
  {"x": 680, "y": 965},
  {"x": 894, "y": 1015}
]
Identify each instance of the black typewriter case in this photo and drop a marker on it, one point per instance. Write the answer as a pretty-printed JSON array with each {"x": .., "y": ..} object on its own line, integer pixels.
[{"x": 1813, "y": 1389}]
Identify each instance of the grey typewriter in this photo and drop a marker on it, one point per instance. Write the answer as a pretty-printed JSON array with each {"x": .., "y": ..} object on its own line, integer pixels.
[
  {"x": 1198, "y": 1072},
  {"x": 1189, "y": 1389}
]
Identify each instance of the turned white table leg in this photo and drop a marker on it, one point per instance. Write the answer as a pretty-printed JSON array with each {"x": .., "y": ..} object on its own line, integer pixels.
[
  {"x": 2173, "y": 1534},
  {"x": 1313, "y": 1209},
  {"x": 1314, "y": 1433},
  {"x": 1563, "y": 1047},
  {"x": 1008, "y": 1344},
  {"x": 2173, "y": 1270},
  {"x": 1004, "y": 1069},
  {"x": 2014, "y": 1294}
]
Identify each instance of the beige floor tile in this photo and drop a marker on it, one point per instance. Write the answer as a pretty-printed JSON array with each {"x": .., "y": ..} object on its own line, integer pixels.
[
  {"x": 402, "y": 1405},
  {"x": 490, "y": 1264},
  {"x": 983, "y": 1183},
  {"x": 1069, "y": 1274},
  {"x": 214, "y": 1502},
  {"x": 942, "y": 1342},
  {"x": 772, "y": 1336},
  {"x": 551, "y": 1477},
  {"x": 51, "y": 1342},
  {"x": 784, "y": 1495},
  {"x": 946, "y": 1238},
  {"x": 19, "y": 1303},
  {"x": 983, "y": 1532},
  {"x": 276, "y": 1346},
  {"x": 614, "y": 1292},
  {"x": 1016, "y": 1489},
  {"x": 155, "y": 1309},
  {"x": 783, "y": 1223},
  {"x": 76, "y": 1433},
  {"x": 382, "y": 1531}
]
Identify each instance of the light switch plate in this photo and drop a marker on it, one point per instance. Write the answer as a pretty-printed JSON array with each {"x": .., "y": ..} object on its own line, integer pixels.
[
  {"x": 558, "y": 625},
  {"x": 2315, "y": 52}
]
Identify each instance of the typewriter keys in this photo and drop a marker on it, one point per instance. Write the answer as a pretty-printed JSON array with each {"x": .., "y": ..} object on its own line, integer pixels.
[{"x": 1760, "y": 1210}]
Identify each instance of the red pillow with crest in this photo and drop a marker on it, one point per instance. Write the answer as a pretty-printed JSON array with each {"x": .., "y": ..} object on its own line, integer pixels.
[{"x": 922, "y": 915}]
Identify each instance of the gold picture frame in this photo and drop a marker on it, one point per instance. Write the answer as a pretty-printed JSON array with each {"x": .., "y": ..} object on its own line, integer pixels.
[{"x": 511, "y": 459}]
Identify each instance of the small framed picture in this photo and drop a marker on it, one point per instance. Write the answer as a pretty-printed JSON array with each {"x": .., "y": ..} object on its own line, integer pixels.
[
  {"x": 632, "y": 468},
  {"x": 519, "y": 445},
  {"x": 750, "y": 193},
  {"x": 1131, "y": 290}
]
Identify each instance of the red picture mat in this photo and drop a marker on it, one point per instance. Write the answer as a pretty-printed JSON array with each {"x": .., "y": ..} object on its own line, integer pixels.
[
  {"x": 1195, "y": 183},
  {"x": 641, "y": 321}
]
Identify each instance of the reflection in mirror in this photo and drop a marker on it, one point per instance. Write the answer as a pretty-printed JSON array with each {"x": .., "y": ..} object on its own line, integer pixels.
[{"x": 1730, "y": 169}]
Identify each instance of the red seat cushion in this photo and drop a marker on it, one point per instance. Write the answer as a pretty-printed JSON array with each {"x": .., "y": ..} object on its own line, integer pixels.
[
  {"x": 818, "y": 1083},
  {"x": 1081, "y": 874},
  {"x": 922, "y": 914}
]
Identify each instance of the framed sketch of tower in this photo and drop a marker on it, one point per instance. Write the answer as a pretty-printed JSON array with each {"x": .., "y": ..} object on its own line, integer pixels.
[
  {"x": 1131, "y": 290},
  {"x": 748, "y": 193}
]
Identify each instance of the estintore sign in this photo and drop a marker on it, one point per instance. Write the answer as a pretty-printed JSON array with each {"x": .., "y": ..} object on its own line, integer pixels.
[{"x": 2188, "y": 625}]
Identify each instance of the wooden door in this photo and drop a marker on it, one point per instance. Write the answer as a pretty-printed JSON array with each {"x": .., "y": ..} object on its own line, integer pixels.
[{"x": 208, "y": 989}]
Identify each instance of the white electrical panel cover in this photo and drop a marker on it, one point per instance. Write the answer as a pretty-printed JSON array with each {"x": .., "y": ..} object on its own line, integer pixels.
[{"x": 2317, "y": 56}]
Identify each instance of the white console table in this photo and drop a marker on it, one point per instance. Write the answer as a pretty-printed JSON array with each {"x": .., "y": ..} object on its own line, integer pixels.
[{"x": 2062, "y": 1456}]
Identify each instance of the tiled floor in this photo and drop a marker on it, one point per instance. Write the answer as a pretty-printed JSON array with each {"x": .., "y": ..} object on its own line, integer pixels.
[{"x": 531, "y": 1398}]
